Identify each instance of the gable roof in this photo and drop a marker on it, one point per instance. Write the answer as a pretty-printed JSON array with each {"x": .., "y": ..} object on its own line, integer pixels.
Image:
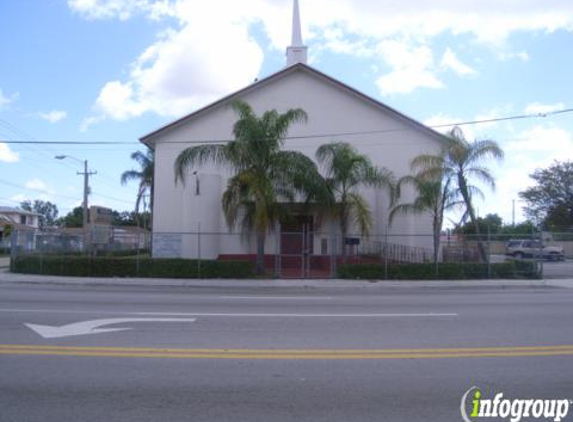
[
  {"x": 12, "y": 210},
  {"x": 299, "y": 67}
]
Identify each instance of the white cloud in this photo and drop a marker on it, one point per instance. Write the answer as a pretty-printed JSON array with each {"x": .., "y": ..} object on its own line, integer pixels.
[
  {"x": 40, "y": 190},
  {"x": 53, "y": 116},
  {"x": 90, "y": 121},
  {"x": 18, "y": 198},
  {"x": 413, "y": 67},
  {"x": 7, "y": 155},
  {"x": 538, "y": 108},
  {"x": 522, "y": 55},
  {"x": 3, "y": 100},
  {"x": 444, "y": 123},
  {"x": 450, "y": 61},
  {"x": 7, "y": 100},
  {"x": 37, "y": 184},
  {"x": 208, "y": 52},
  {"x": 533, "y": 148},
  {"x": 547, "y": 144},
  {"x": 106, "y": 9},
  {"x": 208, "y": 57}
]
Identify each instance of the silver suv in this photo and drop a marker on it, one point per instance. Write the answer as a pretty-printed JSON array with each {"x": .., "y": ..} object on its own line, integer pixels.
[{"x": 520, "y": 249}]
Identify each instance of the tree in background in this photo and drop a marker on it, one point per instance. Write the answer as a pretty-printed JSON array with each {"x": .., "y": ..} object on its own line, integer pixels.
[
  {"x": 346, "y": 172},
  {"x": 128, "y": 218},
  {"x": 48, "y": 211},
  {"x": 144, "y": 175},
  {"x": 494, "y": 225},
  {"x": 263, "y": 174},
  {"x": 550, "y": 201},
  {"x": 72, "y": 219},
  {"x": 491, "y": 223},
  {"x": 462, "y": 161},
  {"x": 119, "y": 218}
]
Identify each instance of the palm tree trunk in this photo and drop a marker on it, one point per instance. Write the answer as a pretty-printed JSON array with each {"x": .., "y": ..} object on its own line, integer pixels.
[
  {"x": 260, "y": 259},
  {"x": 466, "y": 197},
  {"x": 343, "y": 227},
  {"x": 437, "y": 233}
]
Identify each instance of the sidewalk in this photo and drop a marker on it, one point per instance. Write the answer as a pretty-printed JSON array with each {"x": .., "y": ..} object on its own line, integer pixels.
[{"x": 7, "y": 277}]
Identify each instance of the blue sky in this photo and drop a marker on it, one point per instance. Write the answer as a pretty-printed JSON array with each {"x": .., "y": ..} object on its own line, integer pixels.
[{"x": 114, "y": 70}]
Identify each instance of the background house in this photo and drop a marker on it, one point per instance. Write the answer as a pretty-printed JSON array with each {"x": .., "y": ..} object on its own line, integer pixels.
[{"x": 15, "y": 219}]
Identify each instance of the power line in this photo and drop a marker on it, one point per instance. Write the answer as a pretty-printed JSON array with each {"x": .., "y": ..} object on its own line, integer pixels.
[
  {"x": 50, "y": 158},
  {"x": 310, "y": 136},
  {"x": 15, "y": 185},
  {"x": 112, "y": 198}
]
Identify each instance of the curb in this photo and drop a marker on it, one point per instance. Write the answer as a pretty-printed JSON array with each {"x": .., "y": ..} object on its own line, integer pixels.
[{"x": 10, "y": 278}]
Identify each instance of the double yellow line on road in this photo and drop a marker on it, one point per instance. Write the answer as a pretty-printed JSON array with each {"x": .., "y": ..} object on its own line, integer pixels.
[{"x": 286, "y": 354}]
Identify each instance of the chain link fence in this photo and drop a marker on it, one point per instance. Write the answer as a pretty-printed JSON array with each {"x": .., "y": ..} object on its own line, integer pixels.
[{"x": 315, "y": 254}]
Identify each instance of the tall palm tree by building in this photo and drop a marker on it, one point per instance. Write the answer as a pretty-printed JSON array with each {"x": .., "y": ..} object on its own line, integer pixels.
[
  {"x": 346, "y": 172},
  {"x": 264, "y": 176},
  {"x": 462, "y": 161},
  {"x": 144, "y": 175},
  {"x": 434, "y": 197}
]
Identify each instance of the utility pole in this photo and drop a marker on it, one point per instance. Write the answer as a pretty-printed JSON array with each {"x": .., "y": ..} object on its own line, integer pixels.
[{"x": 86, "y": 175}]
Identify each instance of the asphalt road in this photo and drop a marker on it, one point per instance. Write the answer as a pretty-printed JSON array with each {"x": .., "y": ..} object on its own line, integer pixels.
[{"x": 254, "y": 354}]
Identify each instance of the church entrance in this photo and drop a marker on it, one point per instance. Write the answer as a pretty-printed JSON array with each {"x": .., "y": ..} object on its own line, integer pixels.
[{"x": 297, "y": 258}]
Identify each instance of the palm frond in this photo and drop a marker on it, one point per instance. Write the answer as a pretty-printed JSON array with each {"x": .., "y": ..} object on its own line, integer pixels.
[
  {"x": 482, "y": 174},
  {"x": 483, "y": 149},
  {"x": 198, "y": 156},
  {"x": 295, "y": 172},
  {"x": 407, "y": 209},
  {"x": 129, "y": 175},
  {"x": 360, "y": 212}
]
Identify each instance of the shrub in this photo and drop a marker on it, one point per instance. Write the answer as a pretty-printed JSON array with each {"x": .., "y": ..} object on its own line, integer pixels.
[
  {"x": 84, "y": 266},
  {"x": 446, "y": 271}
]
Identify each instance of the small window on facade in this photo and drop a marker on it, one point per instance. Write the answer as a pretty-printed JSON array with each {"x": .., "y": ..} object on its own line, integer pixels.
[{"x": 23, "y": 219}]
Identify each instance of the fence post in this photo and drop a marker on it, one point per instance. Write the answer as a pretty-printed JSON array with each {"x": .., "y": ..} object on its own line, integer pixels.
[
  {"x": 488, "y": 252},
  {"x": 13, "y": 249},
  {"x": 540, "y": 254},
  {"x": 386, "y": 254},
  {"x": 41, "y": 255},
  {"x": 277, "y": 249},
  {"x": 302, "y": 258},
  {"x": 138, "y": 242},
  {"x": 333, "y": 254},
  {"x": 436, "y": 255},
  {"x": 198, "y": 250}
]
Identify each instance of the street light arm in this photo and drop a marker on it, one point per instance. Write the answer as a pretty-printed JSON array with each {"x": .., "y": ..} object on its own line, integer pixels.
[{"x": 61, "y": 157}]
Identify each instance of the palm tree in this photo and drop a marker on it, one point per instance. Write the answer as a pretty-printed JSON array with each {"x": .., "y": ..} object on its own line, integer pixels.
[
  {"x": 461, "y": 161},
  {"x": 435, "y": 197},
  {"x": 346, "y": 171},
  {"x": 264, "y": 175},
  {"x": 144, "y": 175}
]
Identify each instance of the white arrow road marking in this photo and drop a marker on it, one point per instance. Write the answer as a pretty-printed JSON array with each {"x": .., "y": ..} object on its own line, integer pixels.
[{"x": 91, "y": 327}]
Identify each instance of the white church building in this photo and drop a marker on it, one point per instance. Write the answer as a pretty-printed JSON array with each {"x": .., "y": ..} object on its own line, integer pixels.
[{"x": 336, "y": 112}]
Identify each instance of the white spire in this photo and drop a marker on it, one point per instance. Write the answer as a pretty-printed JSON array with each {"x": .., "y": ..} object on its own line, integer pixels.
[{"x": 296, "y": 53}]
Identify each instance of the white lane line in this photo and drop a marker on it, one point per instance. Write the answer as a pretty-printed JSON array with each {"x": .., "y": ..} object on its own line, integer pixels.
[
  {"x": 278, "y": 297},
  {"x": 238, "y": 315}
]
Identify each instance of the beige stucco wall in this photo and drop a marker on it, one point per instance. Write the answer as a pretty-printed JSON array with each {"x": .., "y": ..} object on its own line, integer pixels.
[{"x": 332, "y": 111}]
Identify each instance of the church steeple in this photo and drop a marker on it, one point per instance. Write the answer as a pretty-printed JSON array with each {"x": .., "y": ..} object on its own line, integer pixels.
[{"x": 296, "y": 53}]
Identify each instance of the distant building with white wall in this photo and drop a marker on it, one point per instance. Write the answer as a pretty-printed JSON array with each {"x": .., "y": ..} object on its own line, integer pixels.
[{"x": 26, "y": 223}]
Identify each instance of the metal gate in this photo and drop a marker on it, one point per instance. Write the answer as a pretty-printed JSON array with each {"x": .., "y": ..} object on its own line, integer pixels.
[{"x": 303, "y": 253}]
